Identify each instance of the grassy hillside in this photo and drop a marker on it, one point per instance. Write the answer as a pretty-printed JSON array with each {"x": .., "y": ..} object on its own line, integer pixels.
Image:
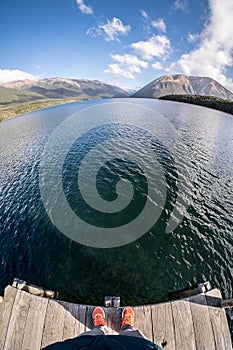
[
  {"x": 206, "y": 101},
  {"x": 9, "y": 96},
  {"x": 24, "y": 96},
  {"x": 60, "y": 88},
  {"x": 17, "y": 109}
]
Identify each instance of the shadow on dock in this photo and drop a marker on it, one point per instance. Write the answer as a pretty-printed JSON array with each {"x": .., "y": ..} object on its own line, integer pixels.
[{"x": 32, "y": 322}]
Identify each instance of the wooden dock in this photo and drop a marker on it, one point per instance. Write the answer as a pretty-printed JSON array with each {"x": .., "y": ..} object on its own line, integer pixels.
[{"x": 30, "y": 322}]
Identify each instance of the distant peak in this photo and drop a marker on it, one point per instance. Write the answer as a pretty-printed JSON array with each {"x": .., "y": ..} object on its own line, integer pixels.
[{"x": 181, "y": 84}]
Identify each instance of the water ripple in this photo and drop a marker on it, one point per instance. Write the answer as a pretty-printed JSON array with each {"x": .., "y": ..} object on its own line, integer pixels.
[{"x": 200, "y": 248}]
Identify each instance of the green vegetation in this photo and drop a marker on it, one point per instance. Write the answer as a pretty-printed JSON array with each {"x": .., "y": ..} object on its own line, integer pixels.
[
  {"x": 12, "y": 109},
  {"x": 206, "y": 101},
  {"x": 16, "y": 109},
  {"x": 10, "y": 96}
]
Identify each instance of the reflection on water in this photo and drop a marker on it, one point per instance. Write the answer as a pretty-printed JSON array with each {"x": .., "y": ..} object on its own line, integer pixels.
[{"x": 143, "y": 271}]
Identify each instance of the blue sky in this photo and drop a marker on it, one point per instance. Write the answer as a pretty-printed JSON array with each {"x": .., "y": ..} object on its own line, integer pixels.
[{"x": 125, "y": 42}]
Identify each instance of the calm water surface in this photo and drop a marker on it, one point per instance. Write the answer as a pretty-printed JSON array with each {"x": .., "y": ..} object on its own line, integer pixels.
[{"x": 200, "y": 248}]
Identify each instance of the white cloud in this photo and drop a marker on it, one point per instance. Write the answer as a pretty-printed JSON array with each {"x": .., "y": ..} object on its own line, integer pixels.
[
  {"x": 94, "y": 32},
  {"x": 126, "y": 66},
  {"x": 129, "y": 60},
  {"x": 117, "y": 71},
  {"x": 114, "y": 28},
  {"x": 156, "y": 46},
  {"x": 181, "y": 5},
  {"x": 157, "y": 66},
  {"x": 110, "y": 30},
  {"x": 8, "y": 75},
  {"x": 215, "y": 52},
  {"x": 159, "y": 24},
  {"x": 144, "y": 15},
  {"x": 84, "y": 8},
  {"x": 192, "y": 37}
]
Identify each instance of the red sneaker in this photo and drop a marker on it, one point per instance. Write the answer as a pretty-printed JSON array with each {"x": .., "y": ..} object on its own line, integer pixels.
[
  {"x": 98, "y": 317},
  {"x": 127, "y": 317}
]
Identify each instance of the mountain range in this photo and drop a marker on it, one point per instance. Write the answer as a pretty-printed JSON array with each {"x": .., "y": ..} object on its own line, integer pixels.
[
  {"x": 58, "y": 88},
  {"x": 179, "y": 84},
  {"x": 64, "y": 88}
]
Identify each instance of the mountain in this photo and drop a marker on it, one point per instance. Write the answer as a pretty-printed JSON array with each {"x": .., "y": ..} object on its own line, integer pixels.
[
  {"x": 179, "y": 84},
  {"x": 131, "y": 91},
  {"x": 8, "y": 96},
  {"x": 67, "y": 88}
]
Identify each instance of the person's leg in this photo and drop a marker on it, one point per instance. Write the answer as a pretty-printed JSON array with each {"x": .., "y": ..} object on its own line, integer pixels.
[
  {"x": 131, "y": 332},
  {"x": 99, "y": 328},
  {"x": 127, "y": 324}
]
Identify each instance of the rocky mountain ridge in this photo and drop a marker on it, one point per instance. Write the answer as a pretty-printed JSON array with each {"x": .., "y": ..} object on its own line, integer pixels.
[
  {"x": 57, "y": 88},
  {"x": 64, "y": 88},
  {"x": 180, "y": 84}
]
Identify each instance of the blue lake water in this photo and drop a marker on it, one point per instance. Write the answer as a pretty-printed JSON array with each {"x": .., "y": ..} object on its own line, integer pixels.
[{"x": 194, "y": 147}]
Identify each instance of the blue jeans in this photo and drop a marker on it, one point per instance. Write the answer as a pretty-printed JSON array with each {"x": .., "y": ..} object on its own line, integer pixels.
[{"x": 127, "y": 330}]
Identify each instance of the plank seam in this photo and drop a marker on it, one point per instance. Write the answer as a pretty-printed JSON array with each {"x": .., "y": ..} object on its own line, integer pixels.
[
  {"x": 173, "y": 322},
  {"x": 68, "y": 315},
  {"x": 86, "y": 311},
  {"x": 20, "y": 295},
  {"x": 44, "y": 323},
  {"x": 194, "y": 328},
  {"x": 63, "y": 332},
  {"x": 9, "y": 317},
  {"x": 26, "y": 318},
  {"x": 152, "y": 324},
  {"x": 211, "y": 322}
]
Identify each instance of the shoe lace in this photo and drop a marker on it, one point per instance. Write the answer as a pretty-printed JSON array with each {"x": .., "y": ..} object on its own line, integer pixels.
[
  {"x": 98, "y": 319},
  {"x": 128, "y": 319}
]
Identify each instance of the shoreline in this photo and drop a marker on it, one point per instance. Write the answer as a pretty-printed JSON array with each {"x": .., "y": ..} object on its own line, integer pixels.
[
  {"x": 15, "y": 110},
  {"x": 213, "y": 102}
]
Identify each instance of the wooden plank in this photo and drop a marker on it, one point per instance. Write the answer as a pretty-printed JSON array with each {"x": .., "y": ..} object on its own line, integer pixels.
[
  {"x": 69, "y": 326},
  {"x": 219, "y": 322},
  {"x": 220, "y": 328},
  {"x": 69, "y": 330},
  {"x": 183, "y": 326},
  {"x": 204, "y": 335},
  {"x": 15, "y": 332},
  {"x": 54, "y": 323},
  {"x": 214, "y": 293},
  {"x": 163, "y": 327},
  {"x": 143, "y": 320},
  {"x": 88, "y": 320},
  {"x": 5, "y": 312},
  {"x": 113, "y": 318},
  {"x": 35, "y": 323},
  {"x": 30, "y": 322},
  {"x": 80, "y": 315},
  {"x": 78, "y": 312},
  {"x": 214, "y": 297}
]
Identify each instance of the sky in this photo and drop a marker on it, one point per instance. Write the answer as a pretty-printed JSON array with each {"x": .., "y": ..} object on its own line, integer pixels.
[{"x": 127, "y": 43}]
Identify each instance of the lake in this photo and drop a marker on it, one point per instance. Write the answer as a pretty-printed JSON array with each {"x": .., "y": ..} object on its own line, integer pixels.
[{"x": 129, "y": 197}]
